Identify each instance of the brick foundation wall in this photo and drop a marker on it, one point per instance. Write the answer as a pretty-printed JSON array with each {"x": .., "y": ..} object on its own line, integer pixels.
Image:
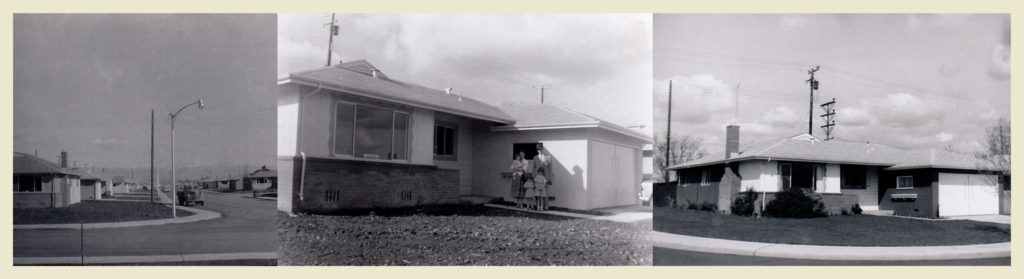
[
  {"x": 333, "y": 185},
  {"x": 34, "y": 200}
]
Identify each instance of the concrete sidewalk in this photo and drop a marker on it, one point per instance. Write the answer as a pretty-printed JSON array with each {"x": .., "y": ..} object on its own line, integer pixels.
[
  {"x": 144, "y": 259},
  {"x": 624, "y": 215},
  {"x": 816, "y": 252},
  {"x": 200, "y": 215}
]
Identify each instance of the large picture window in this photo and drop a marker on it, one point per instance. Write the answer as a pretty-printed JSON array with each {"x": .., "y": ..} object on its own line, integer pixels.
[
  {"x": 370, "y": 132},
  {"x": 28, "y": 183}
]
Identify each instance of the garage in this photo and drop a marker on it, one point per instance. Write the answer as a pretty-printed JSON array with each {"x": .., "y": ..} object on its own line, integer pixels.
[
  {"x": 614, "y": 180},
  {"x": 968, "y": 194}
]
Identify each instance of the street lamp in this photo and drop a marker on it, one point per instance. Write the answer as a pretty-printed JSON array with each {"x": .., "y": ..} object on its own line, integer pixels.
[{"x": 174, "y": 182}]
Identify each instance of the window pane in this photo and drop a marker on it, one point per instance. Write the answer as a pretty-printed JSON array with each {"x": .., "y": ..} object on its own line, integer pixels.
[
  {"x": 343, "y": 129},
  {"x": 401, "y": 136},
  {"x": 449, "y": 141},
  {"x": 786, "y": 174},
  {"x": 373, "y": 132},
  {"x": 438, "y": 140}
]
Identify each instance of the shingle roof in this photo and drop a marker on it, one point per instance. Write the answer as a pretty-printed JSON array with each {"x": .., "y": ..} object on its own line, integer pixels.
[
  {"x": 546, "y": 116},
  {"x": 28, "y": 164},
  {"x": 263, "y": 173},
  {"x": 357, "y": 78},
  {"x": 806, "y": 148}
]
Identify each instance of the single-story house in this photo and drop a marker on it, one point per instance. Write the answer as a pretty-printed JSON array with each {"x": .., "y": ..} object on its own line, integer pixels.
[
  {"x": 350, "y": 137},
  {"x": 92, "y": 186},
  {"x": 40, "y": 183},
  {"x": 260, "y": 180},
  {"x": 208, "y": 183},
  {"x": 924, "y": 183},
  {"x": 229, "y": 184}
]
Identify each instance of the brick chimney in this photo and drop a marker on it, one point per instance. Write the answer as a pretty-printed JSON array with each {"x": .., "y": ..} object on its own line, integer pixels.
[{"x": 732, "y": 140}]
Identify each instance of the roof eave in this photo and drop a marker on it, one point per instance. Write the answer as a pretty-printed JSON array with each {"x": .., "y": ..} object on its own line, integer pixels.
[{"x": 413, "y": 103}]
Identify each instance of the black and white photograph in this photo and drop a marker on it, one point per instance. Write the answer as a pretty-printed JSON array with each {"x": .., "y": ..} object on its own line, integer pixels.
[
  {"x": 144, "y": 139},
  {"x": 463, "y": 139},
  {"x": 831, "y": 139}
]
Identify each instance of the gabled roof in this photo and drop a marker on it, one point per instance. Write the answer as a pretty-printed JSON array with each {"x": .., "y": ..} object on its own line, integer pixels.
[
  {"x": 263, "y": 173},
  {"x": 939, "y": 159},
  {"x": 546, "y": 116},
  {"x": 806, "y": 148},
  {"x": 28, "y": 164},
  {"x": 357, "y": 78}
]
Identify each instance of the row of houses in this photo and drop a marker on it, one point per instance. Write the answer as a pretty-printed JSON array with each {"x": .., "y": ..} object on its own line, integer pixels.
[
  {"x": 927, "y": 183},
  {"x": 351, "y": 137},
  {"x": 263, "y": 179},
  {"x": 39, "y": 183}
]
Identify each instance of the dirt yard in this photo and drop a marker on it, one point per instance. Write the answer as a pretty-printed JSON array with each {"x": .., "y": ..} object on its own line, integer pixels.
[{"x": 459, "y": 235}]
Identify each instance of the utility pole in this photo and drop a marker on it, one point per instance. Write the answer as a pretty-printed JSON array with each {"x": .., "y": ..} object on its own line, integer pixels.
[
  {"x": 542, "y": 91},
  {"x": 330, "y": 37},
  {"x": 152, "y": 163},
  {"x": 829, "y": 117},
  {"x": 810, "y": 104},
  {"x": 668, "y": 133}
]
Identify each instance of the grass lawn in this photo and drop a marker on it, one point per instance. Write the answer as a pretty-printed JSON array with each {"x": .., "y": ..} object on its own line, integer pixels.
[
  {"x": 459, "y": 235},
  {"x": 854, "y": 230},
  {"x": 95, "y": 212}
]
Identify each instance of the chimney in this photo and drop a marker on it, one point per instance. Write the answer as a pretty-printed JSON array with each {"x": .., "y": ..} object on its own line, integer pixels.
[
  {"x": 63, "y": 159},
  {"x": 732, "y": 140}
]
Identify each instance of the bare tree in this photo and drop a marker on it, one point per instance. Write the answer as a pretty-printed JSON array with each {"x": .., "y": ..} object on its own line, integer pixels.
[
  {"x": 683, "y": 149},
  {"x": 996, "y": 154}
]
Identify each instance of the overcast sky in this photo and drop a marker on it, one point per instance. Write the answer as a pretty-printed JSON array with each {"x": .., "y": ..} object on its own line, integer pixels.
[
  {"x": 86, "y": 84},
  {"x": 596, "y": 64},
  {"x": 910, "y": 81}
]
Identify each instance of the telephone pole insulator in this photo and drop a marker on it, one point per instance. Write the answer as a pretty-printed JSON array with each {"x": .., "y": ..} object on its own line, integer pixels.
[{"x": 829, "y": 117}]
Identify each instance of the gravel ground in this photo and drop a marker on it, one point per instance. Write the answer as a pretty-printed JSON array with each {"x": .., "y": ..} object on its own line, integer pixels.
[
  {"x": 95, "y": 212},
  {"x": 459, "y": 235}
]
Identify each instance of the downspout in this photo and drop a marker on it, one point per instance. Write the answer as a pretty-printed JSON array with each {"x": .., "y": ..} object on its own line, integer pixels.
[{"x": 302, "y": 175}]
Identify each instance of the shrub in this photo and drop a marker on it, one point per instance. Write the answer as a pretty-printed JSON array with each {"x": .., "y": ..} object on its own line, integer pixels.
[
  {"x": 794, "y": 204},
  {"x": 708, "y": 206},
  {"x": 856, "y": 209},
  {"x": 692, "y": 206},
  {"x": 743, "y": 204}
]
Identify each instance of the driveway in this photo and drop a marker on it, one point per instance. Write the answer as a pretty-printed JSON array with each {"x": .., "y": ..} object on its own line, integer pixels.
[
  {"x": 247, "y": 225},
  {"x": 999, "y": 219}
]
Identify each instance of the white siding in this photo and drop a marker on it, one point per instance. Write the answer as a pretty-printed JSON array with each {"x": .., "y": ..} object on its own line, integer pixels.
[{"x": 832, "y": 181}]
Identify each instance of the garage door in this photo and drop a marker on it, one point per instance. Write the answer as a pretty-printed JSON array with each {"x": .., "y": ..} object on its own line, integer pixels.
[
  {"x": 614, "y": 178},
  {"x": 968, "y": 194}
]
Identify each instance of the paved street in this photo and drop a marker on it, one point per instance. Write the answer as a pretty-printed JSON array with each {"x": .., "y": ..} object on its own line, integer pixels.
[
  {"x": 666, "y": 256},
  {"x": 247, "y": 225}
]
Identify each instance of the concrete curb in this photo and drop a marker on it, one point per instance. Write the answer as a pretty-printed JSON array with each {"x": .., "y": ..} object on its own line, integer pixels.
[
  {"x": 621, "y": 217},
  {"x": 200, "y": 215},
  {"x": 816, "y": 252},
  {"x": 145, "y": 259}
]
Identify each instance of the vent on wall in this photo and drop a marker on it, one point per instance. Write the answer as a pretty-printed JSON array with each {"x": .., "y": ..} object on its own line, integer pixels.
[
  {"x": 406, "y": 195},
  {"x": 332, "y": 195}
]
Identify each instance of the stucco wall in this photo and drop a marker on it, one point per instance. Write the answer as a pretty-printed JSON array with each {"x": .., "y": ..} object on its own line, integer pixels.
[
  {"x": 287, "y": 119},
  {"x": 288, "y": 176},
  {"x": 568, "y": 147},
  {"x": 759, "y": 175},
  {"x": 867, "y": 198},
  {"x": 925, "y": 186},
  {"x": 467, "y": 130},
  {"x": 832, "y": 181}
]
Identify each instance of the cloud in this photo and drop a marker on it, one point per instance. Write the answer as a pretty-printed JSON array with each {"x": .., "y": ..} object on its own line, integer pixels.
[
  {"x": 781, "y": 116},
  {"x": 793, "y": 21},
  {"x": 1000, "y": 68}
]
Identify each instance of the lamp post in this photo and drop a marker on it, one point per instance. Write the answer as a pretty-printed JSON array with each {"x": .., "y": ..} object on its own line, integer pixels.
[{"x": 174, "y": 184}]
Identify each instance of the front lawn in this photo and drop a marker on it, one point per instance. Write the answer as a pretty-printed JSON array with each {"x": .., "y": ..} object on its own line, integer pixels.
[
  {"x": 854, "y": 230},
  {"x": 459, "y": 235},
  {"x": 95, "y": 212}
]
